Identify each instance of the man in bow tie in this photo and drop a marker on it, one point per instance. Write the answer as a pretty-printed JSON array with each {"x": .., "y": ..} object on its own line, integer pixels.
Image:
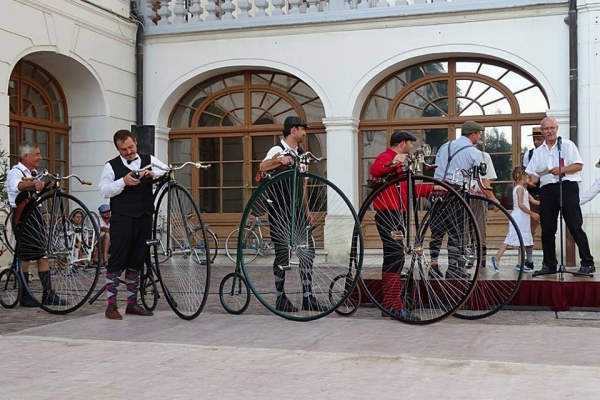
[{"x": 132, "y": 208}]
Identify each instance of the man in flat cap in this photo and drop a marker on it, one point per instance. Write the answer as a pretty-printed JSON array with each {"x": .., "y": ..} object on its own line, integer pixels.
[
  {"x": 461, "y": 153},
  {"x": 389, "y": 218},
  {"x": 294, "y": 131}
]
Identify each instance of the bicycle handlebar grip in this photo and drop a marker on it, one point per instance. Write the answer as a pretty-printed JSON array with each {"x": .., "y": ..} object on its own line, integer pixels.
[
  {"x": 89, "y": 183},
  {"x": 28, "y": 178}
]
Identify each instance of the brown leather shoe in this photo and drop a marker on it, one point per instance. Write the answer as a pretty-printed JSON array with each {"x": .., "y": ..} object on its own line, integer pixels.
[
  {"x": 112, "y": 313},
  {"x": 137, "y": 310}
]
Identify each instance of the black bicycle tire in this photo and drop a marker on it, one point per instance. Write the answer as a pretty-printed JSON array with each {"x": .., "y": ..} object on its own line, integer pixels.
[
  {"x": 480, "y": 285},
  {"x": 7, "y": 276},
  {"x": 206, "y": 264},
  {"x": 365, "y": 207},
  {"x": 58, "y": 196}
]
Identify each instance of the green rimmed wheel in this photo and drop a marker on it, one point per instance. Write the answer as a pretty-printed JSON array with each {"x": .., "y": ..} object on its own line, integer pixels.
[{"x": 316, "y": 237}]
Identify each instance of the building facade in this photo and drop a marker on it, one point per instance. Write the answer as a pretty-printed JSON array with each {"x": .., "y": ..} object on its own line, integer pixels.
[{"x": 221, "y": 76}]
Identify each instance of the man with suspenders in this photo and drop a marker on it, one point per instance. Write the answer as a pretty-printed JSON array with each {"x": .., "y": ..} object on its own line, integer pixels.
[
  {"x": 294, "y": 131},
  {"x": 459, "y": 153}
]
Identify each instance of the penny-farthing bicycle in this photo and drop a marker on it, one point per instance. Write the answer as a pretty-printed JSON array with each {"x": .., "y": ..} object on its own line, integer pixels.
[
  {"x": 316, "y": 237},
  {"x": 405, "y": 211}
]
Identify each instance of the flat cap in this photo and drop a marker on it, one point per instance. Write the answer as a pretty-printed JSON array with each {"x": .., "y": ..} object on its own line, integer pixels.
[
  {"x": 293, "y": 121},
  {"x": 471, "y": 127},
  {"x": 400, "y": 136}
]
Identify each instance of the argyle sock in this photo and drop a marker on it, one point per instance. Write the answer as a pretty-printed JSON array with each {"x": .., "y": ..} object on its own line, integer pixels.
[
  {"x": 112, "y": 287},
  {"x": 132, "y": 280}
]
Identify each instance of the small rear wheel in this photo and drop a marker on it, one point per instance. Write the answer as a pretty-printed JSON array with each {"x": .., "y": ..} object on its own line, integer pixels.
[
  {"x": 10, "y": 288},
  {"x": 148, "y": 292},
  {"x": 234, "y": 293},
  {"x": 339, "y": 285}
]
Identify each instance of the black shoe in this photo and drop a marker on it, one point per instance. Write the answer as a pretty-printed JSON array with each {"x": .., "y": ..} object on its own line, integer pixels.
[
  {"x": 284, "y": 304},
  {"x": 529, "y": 264},
  {"x": 310, "y": 303},
  {"x": 434, "y": 272},
  {"x": 587, "y": 269},
  {"x": 457, "y": 274},
  {"x": 27, "y": 301},
  {"x": 547, "y": 270},
  {"x": 52, "y": 299}
]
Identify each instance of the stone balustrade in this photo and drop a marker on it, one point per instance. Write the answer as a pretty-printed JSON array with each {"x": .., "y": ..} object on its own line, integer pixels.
[{"x": 178, "y": 16}]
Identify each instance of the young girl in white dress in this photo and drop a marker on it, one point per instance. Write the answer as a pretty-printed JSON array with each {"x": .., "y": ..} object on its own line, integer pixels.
[{"x": 521, "y": 214}]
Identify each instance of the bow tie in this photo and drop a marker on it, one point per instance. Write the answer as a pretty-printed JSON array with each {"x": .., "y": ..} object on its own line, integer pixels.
[{"x": 130, "y": 161}]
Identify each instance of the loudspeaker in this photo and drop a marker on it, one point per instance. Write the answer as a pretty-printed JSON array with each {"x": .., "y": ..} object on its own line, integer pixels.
[{"x": 145, "y": 138}]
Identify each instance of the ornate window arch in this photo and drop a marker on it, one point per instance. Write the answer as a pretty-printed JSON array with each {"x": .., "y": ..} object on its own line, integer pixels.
[
  {"x": 38, "y": 113},
  {"x": 434, "y": 98},
  {"x": 231, "y": 121}
]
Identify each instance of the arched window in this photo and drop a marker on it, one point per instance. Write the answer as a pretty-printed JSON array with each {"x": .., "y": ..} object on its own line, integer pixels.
[
  {"x": 38, "y": 113},
  {"x": 433, "y": 99},
  {"x": 231, "y": 121}
]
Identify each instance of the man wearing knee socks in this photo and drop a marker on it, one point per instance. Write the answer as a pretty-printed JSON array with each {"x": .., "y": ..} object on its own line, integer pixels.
[{"x": 132, "y": 208}]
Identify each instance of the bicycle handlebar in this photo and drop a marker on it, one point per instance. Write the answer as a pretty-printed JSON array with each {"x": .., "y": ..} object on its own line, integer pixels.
[
  {"x": 170, "y": 168},
  {"x": 55, "y": 177}
]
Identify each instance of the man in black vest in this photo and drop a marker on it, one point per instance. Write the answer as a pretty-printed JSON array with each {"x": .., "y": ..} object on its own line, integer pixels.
[
  {"x": 132, "y": 207},
  {"x": 294, "y": 131}
]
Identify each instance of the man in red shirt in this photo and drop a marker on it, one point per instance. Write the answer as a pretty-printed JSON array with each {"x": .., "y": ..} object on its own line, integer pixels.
[{"x": 390, "y": 207}]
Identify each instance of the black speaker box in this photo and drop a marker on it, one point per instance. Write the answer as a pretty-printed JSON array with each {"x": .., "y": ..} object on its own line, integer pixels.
[{"x": 145, "y": 138}]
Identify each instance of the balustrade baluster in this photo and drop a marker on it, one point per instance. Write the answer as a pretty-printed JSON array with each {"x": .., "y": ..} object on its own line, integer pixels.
[
  {"x": 164, "y": 13},
  {"x": 196, "y": 10},
  {"x": 262, "y": 5},
  {"x": 212, "y": 9},
  {"x": 244, "y": 6},
  {"x": 278, "y": 5},
  {"x": 180, "y": 11}
]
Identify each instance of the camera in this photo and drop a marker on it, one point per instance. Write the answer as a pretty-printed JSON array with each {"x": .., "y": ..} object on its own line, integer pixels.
[{"x": 136, "y": 175}]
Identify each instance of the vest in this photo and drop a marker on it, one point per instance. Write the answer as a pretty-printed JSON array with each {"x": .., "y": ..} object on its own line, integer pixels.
[{"x": 133, "y": 201}]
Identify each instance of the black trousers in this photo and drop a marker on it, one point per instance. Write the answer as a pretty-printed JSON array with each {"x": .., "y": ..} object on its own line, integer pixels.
[
  {"x": 388, "y": 221},
  {"x": 128, "y": 248},
  {"x": 549, "y": 211}
]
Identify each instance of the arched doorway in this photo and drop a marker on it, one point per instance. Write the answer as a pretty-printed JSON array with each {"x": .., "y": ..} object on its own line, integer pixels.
[
  {"x": 231, "y": 121},
  {"x": 38, "y": 114},
  {"x": 434, "y": 98}
]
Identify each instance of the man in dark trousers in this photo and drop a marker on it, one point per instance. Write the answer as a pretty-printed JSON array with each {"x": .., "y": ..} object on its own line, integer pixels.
[
  {"x": 294, "y": 131},
  {"x": 543, "y": 166},
  {"x": 132, "y": 207}
]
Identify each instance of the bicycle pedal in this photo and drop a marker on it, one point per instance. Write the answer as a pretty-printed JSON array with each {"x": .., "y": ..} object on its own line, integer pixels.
[
  {"x": 285, "y": 267},
  {"x": 153, "y": 242}
]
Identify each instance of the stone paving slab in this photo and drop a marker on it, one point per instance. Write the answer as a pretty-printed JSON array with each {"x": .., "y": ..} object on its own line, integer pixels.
[{"x": 264, "y": 357}]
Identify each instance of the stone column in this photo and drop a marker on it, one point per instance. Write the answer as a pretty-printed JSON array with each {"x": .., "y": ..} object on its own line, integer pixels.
[
  {"x": 161, "y": 143},
  {"x": 588, "y": 22},
  {"x": 342, "y": 170}
]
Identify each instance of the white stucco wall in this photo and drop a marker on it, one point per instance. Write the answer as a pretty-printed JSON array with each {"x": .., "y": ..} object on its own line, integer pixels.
[
  {"x": 343, "y": 62},
  {"x": 91, "y": 54}
]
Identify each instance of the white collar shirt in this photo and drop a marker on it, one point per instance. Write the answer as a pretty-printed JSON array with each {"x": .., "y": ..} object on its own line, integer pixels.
[
  {"x": 545, "y": 159},
  {"x": 111, "y": 188},
  {"x": 13, "y": 178}
]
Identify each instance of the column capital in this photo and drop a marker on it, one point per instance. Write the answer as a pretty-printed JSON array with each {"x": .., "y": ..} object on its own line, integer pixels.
[
  {"x": 341, "y": 123},
  {"x": 162, "y": 133},
  {"x": 561, "y": 115}
]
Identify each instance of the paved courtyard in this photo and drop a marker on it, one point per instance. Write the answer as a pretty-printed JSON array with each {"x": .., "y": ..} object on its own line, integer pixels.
[{"x": 513, "y": 355}]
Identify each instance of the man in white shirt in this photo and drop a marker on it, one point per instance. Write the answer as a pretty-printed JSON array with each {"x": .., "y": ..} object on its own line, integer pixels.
[
  {"x": 132, "y": 207},
  {"x": 294, "y": 131},
  {"x": 544, "y": 166},
  {"x": 29, "y": 156}
]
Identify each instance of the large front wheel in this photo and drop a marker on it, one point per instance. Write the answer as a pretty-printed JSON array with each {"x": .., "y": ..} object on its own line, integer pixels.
[
  {"x": 425, "y": 236},
  {"x": 60, "y": 251},
  {"x": 499, "y": 279},
  {"x": 184, "y": 271},
  {"x": 316, "y": 237}
]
